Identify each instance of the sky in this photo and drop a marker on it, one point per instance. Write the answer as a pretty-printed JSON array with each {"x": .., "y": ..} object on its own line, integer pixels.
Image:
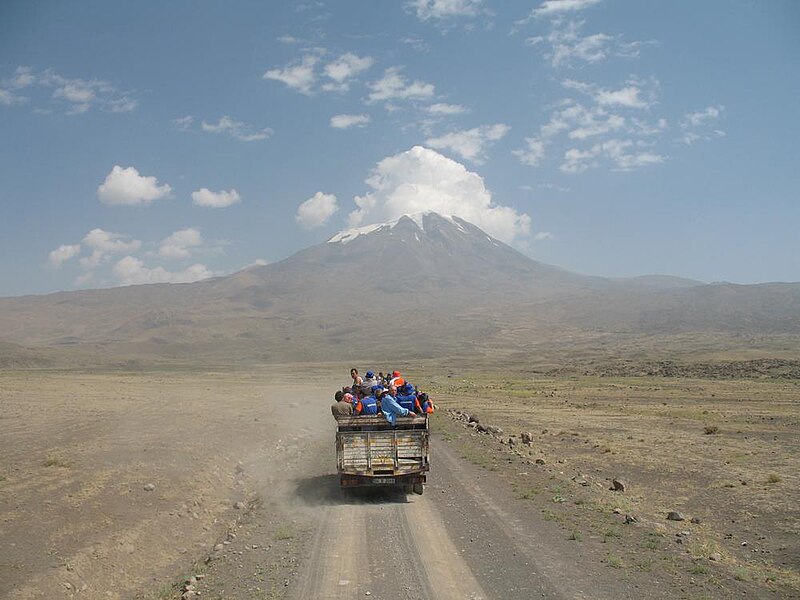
[{"x": 145, "y": 142}]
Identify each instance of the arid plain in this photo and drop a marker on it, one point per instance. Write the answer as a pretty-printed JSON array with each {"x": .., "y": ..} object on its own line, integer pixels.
[{"x": 121, "y": 484}]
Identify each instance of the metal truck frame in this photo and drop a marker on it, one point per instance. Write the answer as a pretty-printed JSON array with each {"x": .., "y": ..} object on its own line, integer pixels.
[{"x": 370, "y": 451}]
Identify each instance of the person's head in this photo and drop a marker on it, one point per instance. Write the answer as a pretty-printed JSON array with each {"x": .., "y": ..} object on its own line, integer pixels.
[
  {"x": 338, "y": 395},
  {"x": 353, "y": 372},
  {"x": 395, "y": 373},
  {"x": 376, "y": 390},
  {"x": 393, "y": 390},
  {"x": 348, "y": 398},
  {"x": 423, "y": 397},
  {"x": 370, "y": 375},
  {"x": 347, "y": 390}
]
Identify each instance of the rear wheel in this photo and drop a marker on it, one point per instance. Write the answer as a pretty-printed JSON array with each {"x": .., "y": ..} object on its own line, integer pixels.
[{"x": 417, "y": 488}]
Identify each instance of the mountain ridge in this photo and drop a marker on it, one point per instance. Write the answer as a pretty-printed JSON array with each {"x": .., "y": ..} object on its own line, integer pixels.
[{"x": 430, "y": 284}]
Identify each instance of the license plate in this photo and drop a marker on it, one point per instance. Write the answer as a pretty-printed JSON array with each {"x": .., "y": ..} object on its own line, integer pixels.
[{"x": 383, "y": 480}]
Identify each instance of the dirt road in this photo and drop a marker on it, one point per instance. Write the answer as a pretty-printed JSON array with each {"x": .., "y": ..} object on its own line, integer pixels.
[{"x": 246, "y": 498}]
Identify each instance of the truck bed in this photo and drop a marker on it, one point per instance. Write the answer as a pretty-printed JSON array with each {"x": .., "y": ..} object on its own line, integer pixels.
[{"x": 370, "y": 451}]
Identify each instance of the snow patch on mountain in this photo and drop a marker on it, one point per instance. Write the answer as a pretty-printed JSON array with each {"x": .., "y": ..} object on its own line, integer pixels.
[{"x": 348, "y": 235}]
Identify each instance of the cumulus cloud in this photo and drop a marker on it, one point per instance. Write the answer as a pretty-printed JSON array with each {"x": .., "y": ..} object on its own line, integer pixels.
[
  {"x": 470, "y": 144},
  {"x": 124, "y": 186},
  {"x": 543, "y": 235},
  {"x": 443, "y": 9},
  {"x": 442, "y": 108},
  {"x": 317, "y": 210},
  {"x": 132, "y": 271},
  {"x": 347, "y": 121},
  {"x": 179, "y": 245},
  {"x": 421, "y": 179},
  {"x": 344, "y": 68},
  {"x": 105, "y": 243},
  {"x": 220, "y": 199},
  {"x": 393, "y": 86},
  {"x": 62, "y": 254},
  {"x": 236, "y": 129},
  {"x": 299, "y": 76}
]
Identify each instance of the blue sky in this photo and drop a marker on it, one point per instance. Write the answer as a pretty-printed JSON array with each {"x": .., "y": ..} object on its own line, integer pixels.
[{"x": 145, "y": 142}]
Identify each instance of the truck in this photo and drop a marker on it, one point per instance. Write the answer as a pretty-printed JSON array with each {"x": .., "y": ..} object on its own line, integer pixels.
[{"x": 372, "y": 452}]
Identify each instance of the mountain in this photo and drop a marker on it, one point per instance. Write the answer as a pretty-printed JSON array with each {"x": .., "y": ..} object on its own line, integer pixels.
[{"x": 423, "y": 285}]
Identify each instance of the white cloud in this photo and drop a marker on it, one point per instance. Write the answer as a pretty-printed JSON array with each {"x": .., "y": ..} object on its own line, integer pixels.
[
  {"x": 346, "y": 121},
  {"x": 629, "y": 96},
  {"x": 23, "y": 77},
  {"x": 83, "y": 279},
  {"x": 554, "y": 187},
  {"x": 566, "y": 46},
  {"x": 556, "y": 8},
  {"x": 393, "y": 86},
  {"x": 443, "y": 108},
  {"x": 420, "y": 180},
  {"x": 579, "y": 121},
  {"x": 235, "y": 129},
  {"x": 77, "y": 95},
  {"x": 543, "y": 235},
  {"x": 9, "y": 98},
  {"x": 288, "y": 39},
  {"x": 124, "y": 186},
  {"x": 533, "y": 153},
  {"x": 220, "y": 199},
  {"x": 62, "y": 254},
  {"x": 577, "y": 161},
  {"x": 316, "y": 211},
  {"x": 470, "y": 144},
  {"x": 643, "y": 128},
  {"x": 132, "y": 271},
  {"x": 618, "y": 152},
  {"x": 299, "y": 76},
  {"x": 700, "y": 125},
  {"x": 344, "y": 68},
  {"x": 596, "y": 122},
  {"x": 104, "y": 243},
  {"x": 700, "y": 117},
  {"x": 443, "y": 9},
  {"x": 259, "y": 262},
  {"x": 624, "y": 155},
  {"x": 179, "y": 244},
  {"x": 183, "y": 123}
]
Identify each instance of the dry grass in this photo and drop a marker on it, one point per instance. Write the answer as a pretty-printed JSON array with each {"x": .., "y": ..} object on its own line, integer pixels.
[{"x": 738, "y": 476}]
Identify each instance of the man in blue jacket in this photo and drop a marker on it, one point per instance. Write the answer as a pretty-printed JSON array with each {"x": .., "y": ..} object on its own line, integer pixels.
[
  {"x": 391, "y": 409},
  {"x": 406, "y": 396}
]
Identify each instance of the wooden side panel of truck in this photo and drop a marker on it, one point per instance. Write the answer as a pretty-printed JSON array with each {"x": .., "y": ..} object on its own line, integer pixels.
[{"x": 369, "y": 451}]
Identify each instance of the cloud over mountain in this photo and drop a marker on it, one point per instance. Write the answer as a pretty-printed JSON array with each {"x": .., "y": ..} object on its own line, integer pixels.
[{"x": 420, "y": 180}]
